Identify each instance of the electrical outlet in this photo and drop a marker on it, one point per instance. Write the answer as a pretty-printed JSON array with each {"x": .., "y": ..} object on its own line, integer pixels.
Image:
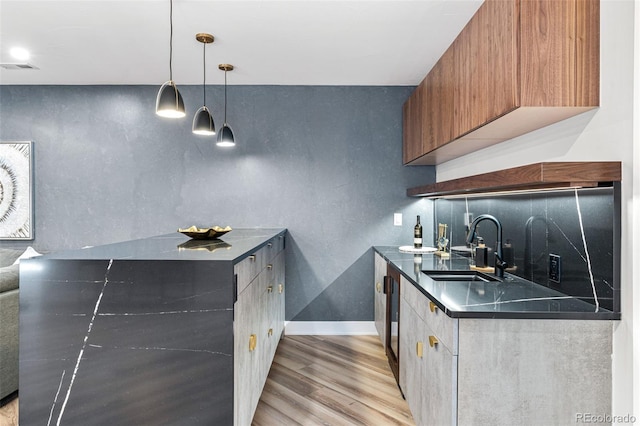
[
  {"x": 397, "y": 219},
  {"x": 555, "y": 268}
]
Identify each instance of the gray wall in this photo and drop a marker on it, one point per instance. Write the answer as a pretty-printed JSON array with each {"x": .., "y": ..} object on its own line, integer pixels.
[{"x": 324, "y": 162}]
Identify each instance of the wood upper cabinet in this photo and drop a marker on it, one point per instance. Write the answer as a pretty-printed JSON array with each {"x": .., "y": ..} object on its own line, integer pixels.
[
  {"x": 471, "y": 73},
  {"x": 412, "y": 113},
  {"x": 502, "y": 88},
  {"x": 438, "y": 118},
  {"x": 518, "y": 65}
]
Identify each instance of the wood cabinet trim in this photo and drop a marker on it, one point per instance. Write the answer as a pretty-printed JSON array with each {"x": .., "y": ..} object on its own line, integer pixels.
[{"x": 546, "y": 175}]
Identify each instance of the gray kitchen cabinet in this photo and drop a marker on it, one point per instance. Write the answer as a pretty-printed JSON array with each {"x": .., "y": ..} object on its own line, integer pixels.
[
  {"x": 427, "y": 366},
  {"x": 412, "y": 360},
  {"x": 379, "y": 297},
  {"x": 258, "y": 324},
  {"x": 499, "y": 371}
]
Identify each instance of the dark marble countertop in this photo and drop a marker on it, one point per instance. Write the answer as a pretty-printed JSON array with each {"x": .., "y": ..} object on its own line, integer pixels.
[
  {"x": 233, "y": 246},
  {"x": 512, "y": 297}
]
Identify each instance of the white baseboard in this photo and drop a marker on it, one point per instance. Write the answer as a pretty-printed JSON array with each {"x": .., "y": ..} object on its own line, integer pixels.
[{"x": 330, "y": 328}]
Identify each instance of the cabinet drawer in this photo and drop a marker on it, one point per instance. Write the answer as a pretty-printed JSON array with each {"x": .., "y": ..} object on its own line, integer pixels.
[
  {"x": 273, "y": 248},
  {"x": 249, "y": 268},
  {"x": 444, "y": 327}
]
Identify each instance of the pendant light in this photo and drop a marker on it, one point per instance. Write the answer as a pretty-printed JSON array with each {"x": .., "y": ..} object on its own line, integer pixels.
[
  {"x": 202, "y": 120},
  {"x": 169, "y": 101},
  {"x": 225, "y": 135}
]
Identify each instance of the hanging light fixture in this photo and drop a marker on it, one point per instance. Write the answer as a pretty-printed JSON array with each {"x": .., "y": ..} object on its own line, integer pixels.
[
  {"x": 225, "y": 135},
  {"x": 169, "y": 101},
  {"x": 202, "y": 120}
]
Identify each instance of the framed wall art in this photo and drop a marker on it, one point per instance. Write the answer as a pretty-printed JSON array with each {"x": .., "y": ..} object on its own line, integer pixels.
[{"x": 16, "y": 180}]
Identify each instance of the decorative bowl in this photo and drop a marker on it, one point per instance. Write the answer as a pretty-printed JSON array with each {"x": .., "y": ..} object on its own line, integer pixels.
[{"x": 204, "y": 233}]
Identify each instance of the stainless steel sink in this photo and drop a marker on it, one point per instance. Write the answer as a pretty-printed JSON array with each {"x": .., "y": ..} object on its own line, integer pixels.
[{"x": 459, "y": 276}]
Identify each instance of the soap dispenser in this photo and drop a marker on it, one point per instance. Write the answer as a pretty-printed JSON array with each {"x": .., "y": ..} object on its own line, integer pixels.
[
  {"x": 507, "y": 253},
  {"x": 481, "y": 254}
]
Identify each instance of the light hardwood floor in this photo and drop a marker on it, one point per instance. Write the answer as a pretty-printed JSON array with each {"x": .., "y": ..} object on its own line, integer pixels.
[
  {"x": 9, "y": 413},
  {"x": 320, "y": 380},
  {"x": 331, "y": 380}
]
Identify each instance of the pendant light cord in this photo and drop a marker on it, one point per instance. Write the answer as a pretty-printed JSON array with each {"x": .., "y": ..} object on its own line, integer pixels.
[
  {"x": 170, "y": 39},
  {"x": 225, "y": 96},
  {"x": 204, "y": 74}
]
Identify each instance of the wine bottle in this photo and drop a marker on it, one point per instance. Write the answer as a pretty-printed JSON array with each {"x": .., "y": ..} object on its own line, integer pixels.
[{"x": 417, "y": 235}]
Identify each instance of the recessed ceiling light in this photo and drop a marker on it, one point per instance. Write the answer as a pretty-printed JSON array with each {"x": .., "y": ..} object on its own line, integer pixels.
[{"x": 20, "y": 54}]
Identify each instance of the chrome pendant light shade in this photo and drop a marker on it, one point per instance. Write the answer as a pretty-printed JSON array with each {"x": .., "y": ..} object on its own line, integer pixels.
[
  {"x": 202, "y": 120},
  {"x": 169, "y": 101},
  {"x": 225, "y": 136}
]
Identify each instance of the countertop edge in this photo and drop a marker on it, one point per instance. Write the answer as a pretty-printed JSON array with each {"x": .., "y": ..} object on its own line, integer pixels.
[{"x": 263, "y": 237}]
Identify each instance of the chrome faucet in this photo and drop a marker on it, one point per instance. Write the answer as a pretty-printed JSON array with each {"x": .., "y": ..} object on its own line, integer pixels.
[{"x": 500, "y": 264}]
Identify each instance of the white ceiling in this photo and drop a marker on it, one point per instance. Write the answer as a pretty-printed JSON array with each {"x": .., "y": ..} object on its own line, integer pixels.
[{"x": 297, "y": 42}]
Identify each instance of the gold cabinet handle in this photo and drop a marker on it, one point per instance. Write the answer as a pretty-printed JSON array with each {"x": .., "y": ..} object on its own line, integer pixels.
[
  {"x": 253, "y": 341},
  {"x": 270, "y": 289},
  {"x": 419, "y": 349},
  {"x": 269, "y": 266},
  {"x": 252, "y": 257},
  {"x": 378, "y": 287},
  {"x": 280, "y": 288},
  {"x": 432, "y": 306},
  {"x": 433, "y": 340},
  {"x": 270, "y": 332}
]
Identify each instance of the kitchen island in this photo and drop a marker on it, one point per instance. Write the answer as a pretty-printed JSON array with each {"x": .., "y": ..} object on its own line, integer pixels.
[
  {"x": 151, "y": 331},
  {"x": 498, "y": 352}
]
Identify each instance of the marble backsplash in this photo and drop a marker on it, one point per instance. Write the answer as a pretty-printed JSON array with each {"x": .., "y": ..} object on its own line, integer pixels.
[{"x": 579, "y": 225}]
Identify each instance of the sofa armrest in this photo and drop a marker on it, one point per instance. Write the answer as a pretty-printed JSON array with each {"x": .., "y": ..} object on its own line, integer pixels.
[{"x": 9, "y": 278}]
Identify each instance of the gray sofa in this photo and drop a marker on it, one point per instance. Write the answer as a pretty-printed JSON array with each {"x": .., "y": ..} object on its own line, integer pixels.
[{"x": 9, "y": 283}]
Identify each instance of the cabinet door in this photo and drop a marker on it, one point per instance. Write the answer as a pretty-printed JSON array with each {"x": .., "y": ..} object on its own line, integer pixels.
[
  {"x": 280, "y": 294},
  {"x": 379, "y": 297},
  {"x": 412, "y": 111},
  {"x": 264, "y": 309},
  {"x": 412, "y": 360},
  {"x": 276, "y": 309},
  {"x": 502, "y": 45},
  {"x": 471, "y": 74},
  {"x": 439, "y": 115},
  {"x": 439, "y": 383},
  {"x": 247, "y": 341},
  {"x": 588, "y": 53},
  {"x": 547, "y": 53}
]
